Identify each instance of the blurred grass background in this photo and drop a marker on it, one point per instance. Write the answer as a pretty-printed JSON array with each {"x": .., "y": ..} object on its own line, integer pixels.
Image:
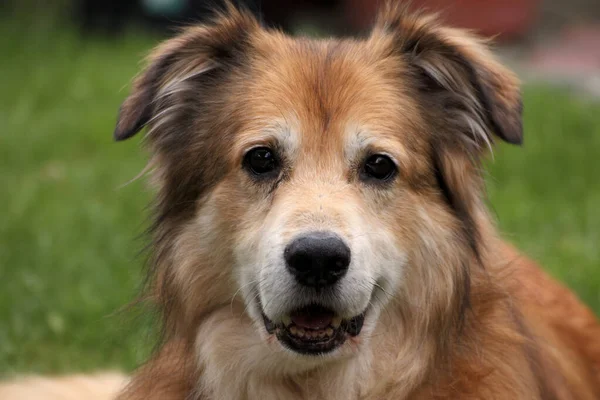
[{"x": 68, "y": 248}]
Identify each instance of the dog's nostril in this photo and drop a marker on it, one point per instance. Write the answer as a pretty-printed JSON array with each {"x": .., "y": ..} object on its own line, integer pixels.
[{"x": 317, "y": 259}]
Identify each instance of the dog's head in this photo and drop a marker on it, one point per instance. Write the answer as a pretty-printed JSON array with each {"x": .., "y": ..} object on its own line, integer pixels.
[{"x": 321, "y": 181}]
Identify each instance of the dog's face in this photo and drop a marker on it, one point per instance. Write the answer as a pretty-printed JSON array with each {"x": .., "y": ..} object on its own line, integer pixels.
[{"x": 320, "y": 181}]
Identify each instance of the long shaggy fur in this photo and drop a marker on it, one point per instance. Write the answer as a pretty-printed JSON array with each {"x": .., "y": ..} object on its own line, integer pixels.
[{"x": 452, "y": 311}]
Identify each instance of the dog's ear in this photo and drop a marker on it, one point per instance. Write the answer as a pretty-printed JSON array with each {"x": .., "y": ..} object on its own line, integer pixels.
[
  {"x": 195, "y": 51},
  {"x": 458, "y": 70},
  {"x": 468, "y": 97}
]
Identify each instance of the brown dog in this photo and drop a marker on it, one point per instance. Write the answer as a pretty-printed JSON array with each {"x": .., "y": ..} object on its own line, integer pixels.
[{"x": 321, "y": 231}]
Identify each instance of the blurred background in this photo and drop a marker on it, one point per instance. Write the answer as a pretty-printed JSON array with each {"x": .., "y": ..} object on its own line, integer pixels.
[{"x": 71, "y": 231}]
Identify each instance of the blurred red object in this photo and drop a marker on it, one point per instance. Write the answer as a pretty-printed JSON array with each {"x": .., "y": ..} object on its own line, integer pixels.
[{"x": 505, "y": 19}]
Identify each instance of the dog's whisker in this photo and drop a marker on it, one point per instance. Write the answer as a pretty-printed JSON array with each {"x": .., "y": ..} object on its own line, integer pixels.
[
  {"x": 378, "y": 286},
  {"x": 377, "y": 299},
  {"x": 249, "y": 303},
  {"x": 252, "y": 282}
]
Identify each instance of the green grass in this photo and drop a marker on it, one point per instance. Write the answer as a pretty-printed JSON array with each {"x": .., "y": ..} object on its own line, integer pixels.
[
  {"x": 68, "y": 248},
  {"x": 68, "y": 231}
]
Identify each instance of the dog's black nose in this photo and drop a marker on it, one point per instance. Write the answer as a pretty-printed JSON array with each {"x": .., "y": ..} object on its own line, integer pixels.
[{"x": 317, "y": 259}]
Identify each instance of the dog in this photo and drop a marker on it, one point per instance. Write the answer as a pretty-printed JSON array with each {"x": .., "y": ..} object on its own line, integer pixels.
[{"x": 321, "y": 230}]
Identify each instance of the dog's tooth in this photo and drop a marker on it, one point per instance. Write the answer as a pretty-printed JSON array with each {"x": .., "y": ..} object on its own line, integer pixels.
[
  {"x": 293, "y": 330},
  {"x": 322, "y": 334},
  {"x": 301, "y": 332},
  {"x": 336, "y": 322},
  {"x": 329, "y": 331},
  {"x": 287, "y": 321}
]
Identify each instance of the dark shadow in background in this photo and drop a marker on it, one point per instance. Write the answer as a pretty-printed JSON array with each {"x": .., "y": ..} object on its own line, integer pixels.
[{"x": 111, "y": 17}]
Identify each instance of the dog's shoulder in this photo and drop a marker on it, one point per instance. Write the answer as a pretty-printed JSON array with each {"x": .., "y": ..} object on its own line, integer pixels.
[{"x": 564, "y": 331}]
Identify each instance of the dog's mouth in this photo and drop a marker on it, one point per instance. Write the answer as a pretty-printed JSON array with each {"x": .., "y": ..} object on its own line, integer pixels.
[{"x": 314, "y": 329}]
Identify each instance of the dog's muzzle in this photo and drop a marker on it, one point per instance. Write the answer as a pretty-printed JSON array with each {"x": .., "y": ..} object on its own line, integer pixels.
[{"x": 317, "y": 261}]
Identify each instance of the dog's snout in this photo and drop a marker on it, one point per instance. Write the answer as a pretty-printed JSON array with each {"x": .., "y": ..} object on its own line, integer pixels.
[{"x": 317, "y": 259}]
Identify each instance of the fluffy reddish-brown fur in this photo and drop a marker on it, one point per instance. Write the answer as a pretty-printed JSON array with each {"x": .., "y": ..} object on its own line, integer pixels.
[{"x": 470, "y": 318}]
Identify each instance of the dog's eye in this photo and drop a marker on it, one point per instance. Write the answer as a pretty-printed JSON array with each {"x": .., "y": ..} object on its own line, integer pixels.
[
  {"x": 261, "y": 160},
  {"x": 380, "y": 167}
]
